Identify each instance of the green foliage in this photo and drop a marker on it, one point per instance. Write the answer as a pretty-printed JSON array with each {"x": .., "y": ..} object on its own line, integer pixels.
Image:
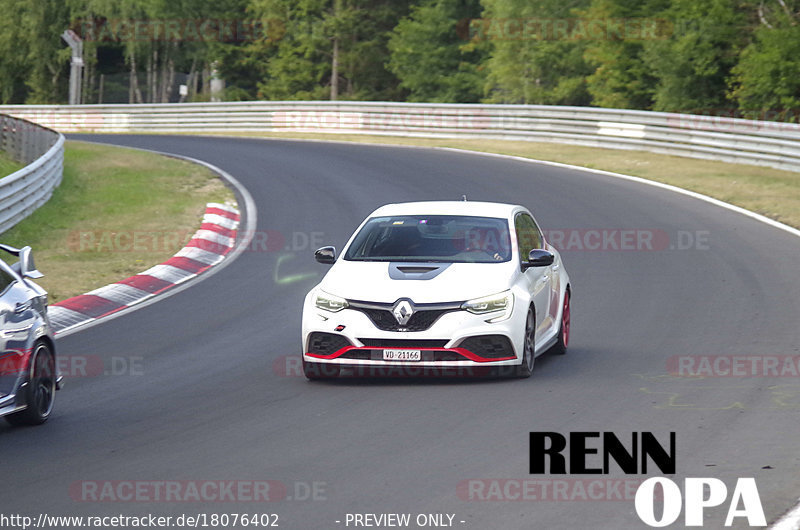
[
  {"x": 767, "y": 77},
  {"x": 351, "y": 33},
  {"x": 670, "y": 55},
  {"x": 295, "y": 68},
  {"x": 621, "y": 77},
  {"x": 530, "y": 62},
  {"x": 14, "y": 65},
  {"x": 33, "y": 63},
  {"x": 432, "y": 55},
  {"x": 693, "y": 61}
]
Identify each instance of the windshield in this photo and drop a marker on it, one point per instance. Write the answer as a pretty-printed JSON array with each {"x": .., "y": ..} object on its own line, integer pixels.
[{"x": 437, "y": 238}]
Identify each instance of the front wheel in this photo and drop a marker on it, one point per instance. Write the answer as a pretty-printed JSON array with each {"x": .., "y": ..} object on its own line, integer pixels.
[
  {"x": 560, "y": 347},
  {"x": 40, "y": 392},
  {"x": 525, "y": 368}
]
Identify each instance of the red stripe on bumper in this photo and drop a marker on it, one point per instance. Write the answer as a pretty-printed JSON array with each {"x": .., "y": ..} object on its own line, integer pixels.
[{"x": 468, "y": 355}]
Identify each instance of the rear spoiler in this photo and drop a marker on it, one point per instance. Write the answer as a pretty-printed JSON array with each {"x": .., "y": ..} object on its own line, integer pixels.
[{"x": 25, "y": 266}]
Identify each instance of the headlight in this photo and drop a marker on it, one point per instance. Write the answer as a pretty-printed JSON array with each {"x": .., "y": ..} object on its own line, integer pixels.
[
  {"x": 331, "y": 303},
  {"x": 492, "y": 304}
]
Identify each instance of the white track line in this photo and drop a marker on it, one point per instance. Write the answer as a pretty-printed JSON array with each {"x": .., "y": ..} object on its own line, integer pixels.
[{"x": 790, "y": 521}]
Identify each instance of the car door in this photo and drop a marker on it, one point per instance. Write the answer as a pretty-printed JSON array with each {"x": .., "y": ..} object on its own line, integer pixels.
[
  {"x": 8, "y": 359},
  {"x": 555, "y": 283},
  {"x": 17, "y": 318},
  {"x": 528, "y": 238}
]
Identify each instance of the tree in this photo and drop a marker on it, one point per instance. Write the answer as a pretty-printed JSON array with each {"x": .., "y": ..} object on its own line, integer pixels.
[
  {"x": 530, "y": 62},
  {"x": 434, "y": 60},
  {"x": 43, "y": 22},
  {"x": 767, "y": 77},
  {"x": 331, "y": 49},
  {"x": 14, "y": 46},
  {"x": 693, "y": 62},
  {"x": 621, "y": 77}
]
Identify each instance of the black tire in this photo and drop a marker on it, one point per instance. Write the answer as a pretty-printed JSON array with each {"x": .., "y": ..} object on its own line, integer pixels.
[
  {"x": 40, "y": 392},
  {"x": 320, "y": 371},
  {"x": 560, "y": 347},
  {"x": 525, "y": 368}
]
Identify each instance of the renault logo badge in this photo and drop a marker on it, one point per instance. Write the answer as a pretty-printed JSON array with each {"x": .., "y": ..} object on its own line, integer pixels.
[{"x": 403, "y": 310}]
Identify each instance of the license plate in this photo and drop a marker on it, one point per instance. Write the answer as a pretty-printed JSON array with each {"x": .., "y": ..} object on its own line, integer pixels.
[{"x": 401, "y": 355}]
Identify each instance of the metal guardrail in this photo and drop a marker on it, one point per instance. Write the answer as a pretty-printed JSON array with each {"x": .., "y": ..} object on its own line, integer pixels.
[
  {"x": 774, "y": 144},
  {"x": 42, "y": 149}
]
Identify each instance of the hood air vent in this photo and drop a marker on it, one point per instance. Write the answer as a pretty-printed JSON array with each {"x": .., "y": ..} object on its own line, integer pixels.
[{"x": 416, "y": 271}]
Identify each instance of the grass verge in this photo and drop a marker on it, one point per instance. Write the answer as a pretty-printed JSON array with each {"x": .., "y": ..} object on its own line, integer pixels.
[
  {"x": 770, "y": 192},
  {"x": 8, "y": 165},
  {"x": 116, "y": 213}
]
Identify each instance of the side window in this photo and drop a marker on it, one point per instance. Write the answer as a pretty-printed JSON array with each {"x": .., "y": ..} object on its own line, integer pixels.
[
  {"x": 528, "y": 235},
  {"x": 538, "y": 231},
  {"x": 536, "y": 235},
  {"x": 5, "y": 280},
  {"x": 524, "y": 240}
]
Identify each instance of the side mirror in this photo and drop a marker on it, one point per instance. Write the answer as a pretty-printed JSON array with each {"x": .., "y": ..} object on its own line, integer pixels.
[
  {"x": 25, "y": 266},
  {"x": 539, "y": 258},
  {"x": 326, "y": 255}
]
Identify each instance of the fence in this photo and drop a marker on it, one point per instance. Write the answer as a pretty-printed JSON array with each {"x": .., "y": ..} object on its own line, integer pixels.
[
  {"x": 25, "y": 190},
  {"x": 774, "y": 144}
]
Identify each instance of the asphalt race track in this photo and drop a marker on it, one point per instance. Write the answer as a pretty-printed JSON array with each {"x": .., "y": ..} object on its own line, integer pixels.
[{"x": 205, "y": 384}]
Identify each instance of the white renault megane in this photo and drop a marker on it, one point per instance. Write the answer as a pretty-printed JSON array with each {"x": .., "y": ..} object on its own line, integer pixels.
[{"x": 443, "y": 288}]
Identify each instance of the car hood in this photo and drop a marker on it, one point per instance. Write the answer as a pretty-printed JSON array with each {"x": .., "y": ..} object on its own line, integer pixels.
[{"x": 421, "y": 282}]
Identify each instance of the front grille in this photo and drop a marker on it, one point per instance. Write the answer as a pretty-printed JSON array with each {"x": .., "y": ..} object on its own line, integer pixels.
[
  {"x": 425, "y": 355},
  {"x": 404, "y": 343},
  {"x": 326, "y": 343},
  {"x": 362, "y": 355},
  {"x": 447, "y": 356},
  {"x": 489, "y": 346},
  {"x": 423, "y": 318},
  {"x": 419, "y": 321},
  {"x": 378, "y": 345}
]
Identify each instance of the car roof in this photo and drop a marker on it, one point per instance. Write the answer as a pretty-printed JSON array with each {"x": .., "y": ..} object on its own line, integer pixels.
[{"x": 473, "y": 208}]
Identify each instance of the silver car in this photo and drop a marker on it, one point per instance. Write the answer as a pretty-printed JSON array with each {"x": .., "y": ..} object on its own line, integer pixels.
[{"x": 28, "y": 373}]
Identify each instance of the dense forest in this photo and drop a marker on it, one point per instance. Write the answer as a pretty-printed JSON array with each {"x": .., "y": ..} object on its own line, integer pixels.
[{"x": 706, "y": 56}]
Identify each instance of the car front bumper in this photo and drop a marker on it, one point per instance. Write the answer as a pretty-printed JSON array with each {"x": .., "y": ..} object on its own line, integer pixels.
[{"x": 458, "y": 341}]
